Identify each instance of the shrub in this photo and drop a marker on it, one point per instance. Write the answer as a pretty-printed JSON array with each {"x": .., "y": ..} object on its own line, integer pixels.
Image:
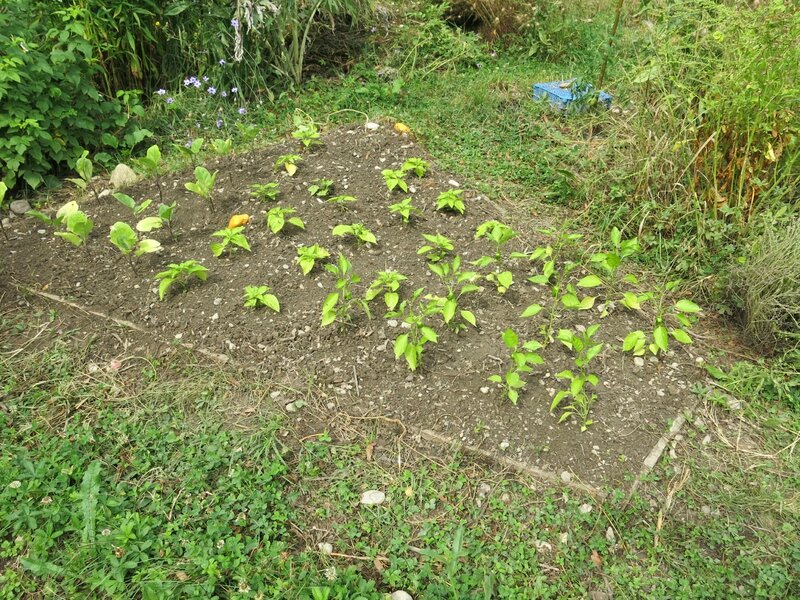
[
  {"x": 51, "y": 109},
  {"x": 766, "y": 290}
]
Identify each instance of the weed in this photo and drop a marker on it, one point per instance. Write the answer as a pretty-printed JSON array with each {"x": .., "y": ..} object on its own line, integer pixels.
[
  {"x": 266, "y": 192},
  {"x": 3, "y": 190},
  {"x": 130, "y": 203},
  {"x": 180, "y": 272},
  {"x": 341, "y": 305}
]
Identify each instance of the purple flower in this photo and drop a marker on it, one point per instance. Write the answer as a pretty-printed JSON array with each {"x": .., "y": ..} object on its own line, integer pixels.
[
  {"x": 188, "y": 144},
  {"x": 212, "y": 90},
  {"x": 235, "y": 23},
  {"x": 224, "y": 94},
  {"x": 205, "y": 78},
  {"x": 222, "y": 62},
  {"x": 197, "y": 84},
  {"x": 373, "y": 29},
  {"x": 219, "y": 123},
  {"x": 190, "y": 81},
  {"x": 170, "y": 100},
  {"x": 234, "y": 90},
  {"x": 242, "y": 111},
  {"x": 161, "y": 92}
]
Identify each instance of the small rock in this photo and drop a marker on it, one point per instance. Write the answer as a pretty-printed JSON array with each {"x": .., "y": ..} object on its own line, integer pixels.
[
  {"x": 372, "y": 126},
  {"x": 123, "y": 176},
  {"x": 706, "y": 510},
  {"x": 104, "y": 193},
  {"x": 484, "y": 390},
  {"x": 638, "y": 361},
  {"x": 733, "y": 403},
  {"x": 6, "y": 222},
  {"x": 504, "y": 445},
  {"x": 41, "y": 231},
  {"x": 274, "y": 394},
  {"x": 392, "y": 323},
  {"x": 325, "y": 547},
  {"x": 542, "y": 545},
  {"x": 372, "y": 498},
  {"x": 563, "y": 538},
  {"x": 707, "y": 440},
  {"x": 217, "y": 301},
  {"x": 505, "y": 498},
  {"x": 291, "y": 408},
  {"x": 453, "y": 183},
  {"x": 484, "y": 489},
  {"x": 585, "y": 509},
  {"x": 611, "y": 538},
  {"x": 598, "y": 595},
  {"x": 401, "y": 595},
  {"x": 566, "y": 476},
  {"x": 20, "y": 207}
]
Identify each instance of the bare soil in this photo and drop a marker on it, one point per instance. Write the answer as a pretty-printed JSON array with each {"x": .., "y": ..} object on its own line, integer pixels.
[{"x": 354, "y": 363}]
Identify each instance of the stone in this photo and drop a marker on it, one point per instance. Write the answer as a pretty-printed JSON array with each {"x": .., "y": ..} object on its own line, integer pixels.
[
  {"x": 372, "y": 126},
  {"x": 106, "y": 192},
  {"x": 585, "y": 509},
  {"x": 122, "y": 176},
  {"x": 611, "y": 537},
  {"x": 504, "y": 446},
  {"x": 638, "y": 361},
  {"x": 20, "y": 207},
  {"x": 401, "y": 595},
  {"x": 372, "y": 498},
  {"x": 566, "y": 476},
  {"x": 325, "y": 547}
]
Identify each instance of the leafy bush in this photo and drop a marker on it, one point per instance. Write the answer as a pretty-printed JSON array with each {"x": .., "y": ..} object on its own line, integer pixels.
[
  {"x": 51, "y": 109},
  {"x": 766, "y": 290}
]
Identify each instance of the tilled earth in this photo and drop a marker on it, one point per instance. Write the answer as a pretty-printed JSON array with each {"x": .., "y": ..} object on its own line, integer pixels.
[{"x": 355, "y": 362}]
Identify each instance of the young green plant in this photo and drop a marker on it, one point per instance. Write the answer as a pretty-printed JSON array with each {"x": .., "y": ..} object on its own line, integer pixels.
[
  {"x": 437, "y": 248},
  {"x": 405, "y": 209},
  {"x": 77, "y": 224},
  {"x": 341, "y": 201},
  {"x": 321, "y": 188},
  {"x": 278, "y": 217},
  {"x": 231, "y": 240},
  {"x": 128, "y": 243},
  {"x": 415, "y": 165},
  {"x": 414, "y": 313},
  {"x": 394, "y": 179},
  {"x": 84, "y": 168},
  {"x": 130, "y": 203},
  {"x": 289, "y": 163},
  {"x": 307, "y": 257},
  {"x": 522, "y": 356},
  {"x": 342, "y": 304},
  {"x": 166, "y": 212},
  {"x": 256, "y": 296},
  {"x": 388, "y": 284},
  {"x": 203, "y": 185},
  {"x": 457, "y": 283},
  {"x": 580, "y": 400},
  {"x": 451, "y": 200},
  {"x": 358, "y": 231},
  {"x": 191, "y": 150},
  {"x": 265, "y": 192},
  {"x": 305, "y": 131},
  {"x": 150, "y": 165},
  {"x": 222, "y": 147},
  {"x": 180, "y": 272}
]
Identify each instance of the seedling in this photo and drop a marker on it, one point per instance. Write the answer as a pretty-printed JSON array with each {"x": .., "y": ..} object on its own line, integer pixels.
[
  {"x": 341, "y": 201},
  {"x": 192, "y": 150},
  {"x": 414, "y": 313},
  {"x": 130, "y": 203},
  {"x": 307, "y": 256},
  {"x": 289, "y": 163},
  {"x": 256, "y": 296},
  {"x": 682, "y": 313},
  {"x": 416, "y": 165},
  {"x": 585, "y": 348},
  {"x": 150, "y": 165},
  {"x": 611, "y": 260},
  {"x": 387, "y": 282},
  {"x": 84, "y": 168},
  {"x": 498, "y": 233},
  {"x": 78, "y": 226},
  {"x": 341, "y": 305},
  {"x": 231, "y": 239},
  {"x": 405, "y": 209},
  {"x": 181, "y": 272},
  {"x": 451, "y": 200},
  {"x": 128, "y": 243},
  {"x": 321, "y": 188},
  {"x": 457, "y": 283},
  {"x": 522, "y": 356},
  {"x": 437, "y": 248},
  {"x": 394, "y": 179},
  {"x": 357, "y": 230},
  {"x": 222, "y": 147},
  {"x": 266, "y": 192},
  {"x": 277, "y": 219},
  {"x": 502, "y": 280},
  {"x": 204, "y": 184},
  {"x": 166, "y": 212},
  {"x": 305, "y": 131},
  {"x": 3, "y": 190}
]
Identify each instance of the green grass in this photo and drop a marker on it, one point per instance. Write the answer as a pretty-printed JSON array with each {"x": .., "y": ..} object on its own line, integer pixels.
[{"x": 147, "y": 482}]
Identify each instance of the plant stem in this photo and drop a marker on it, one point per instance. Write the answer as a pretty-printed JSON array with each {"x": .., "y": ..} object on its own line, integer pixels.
[{"x": 614, "y": 28}]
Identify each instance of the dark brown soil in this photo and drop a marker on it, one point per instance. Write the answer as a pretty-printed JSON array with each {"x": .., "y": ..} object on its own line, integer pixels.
[{"x": 355, "y": 362}]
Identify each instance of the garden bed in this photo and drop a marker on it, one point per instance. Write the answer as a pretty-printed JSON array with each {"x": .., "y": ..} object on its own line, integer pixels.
[{"x": 354, "y": 363}]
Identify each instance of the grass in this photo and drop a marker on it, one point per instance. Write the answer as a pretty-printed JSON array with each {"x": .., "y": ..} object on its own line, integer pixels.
[{"x": 166, "y": 480}]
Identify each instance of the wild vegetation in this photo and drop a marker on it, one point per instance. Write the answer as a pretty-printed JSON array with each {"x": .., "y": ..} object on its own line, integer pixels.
[{"x": 684, "y": 194}]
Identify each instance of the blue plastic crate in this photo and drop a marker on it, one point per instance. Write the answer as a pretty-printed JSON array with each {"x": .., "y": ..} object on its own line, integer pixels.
[{"x": 561, "y": 94}]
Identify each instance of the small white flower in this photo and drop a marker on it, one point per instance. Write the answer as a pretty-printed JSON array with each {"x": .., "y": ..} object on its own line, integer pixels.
[
  {"x": 330, "y": 573},
  {"x": 106, "y": 532},
  {"x": 46, "y": 500},
  {"x": 220, "y": 543},
  {"x": 15, "y": 484}
]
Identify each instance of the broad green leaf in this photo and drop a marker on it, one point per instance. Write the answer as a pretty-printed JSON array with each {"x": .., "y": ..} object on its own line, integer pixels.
[
  {"x": 400, "y": 345},
  {"x": 661, "y": 337},
  {"x": 429, "y": 334},
  {"x": 469, "y": 317},
  {"x": 630, "y": 300},
  {"x": 149, "y": 223},
  {"x": 123, "y": 237},
  {"x": 681, "y": 336},
  {"x": 147, "y": 246},
  {"x": 570, "y": 301},
  {"x": 510, "y": 339},
  {"x": 557, "y": 400},
  {"x": 687, "y": 306},
  {"x": 532, "y": 310},
  {"x": 506, "y": 279},
  {"x": 70, "y": 237},
  {"x": 297, "y": 222},
  {"x": 66, "y": 210},
  {"x": 587, "y": 303},
  {"x": 631, "y": 340},
  {"x": 590, "y": 281},
  {"x": 125, "y": 200},
  {"x": 391, "y": 299}
]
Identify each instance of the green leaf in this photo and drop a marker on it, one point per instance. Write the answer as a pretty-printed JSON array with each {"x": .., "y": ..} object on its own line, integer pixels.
[
  {"x": 661, "y": 337},
  {"x": 681, "y": 336},
  {"x": 123, "y": 237},
  {"x": 164, "y": 286},
  {"x": 147, "y": 246},
  {"x": 506, "y": 279},
  {"x": 557, "y": 400},
  {"x": 590, "y": 281},
  {"x": 271, "y": 302},
  {"x": 510, "y": 339},
  {"x": 217, "y": 249},
  {"x": 631, "y": 301},
  {"x": 70, "y": 237},
  {"x": 632, "y": 340},
  {"x": 297, "y": 222},
  {"x": 570, "y": 301},
  {"x": 149, "y": 223},
  {"x": 400, "y": 345},
  {"x": 342, "y": 230},
  {"x": 429, "y": 334},
  {"x": 587, "y": 303},
  {"x": 495, "y": 378},
  {"x": 469, "y": 317},
  {"x": 125, "y": 200},
  {"x": 532, "y": 311},
  {"x": 687, "y": 306}
]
